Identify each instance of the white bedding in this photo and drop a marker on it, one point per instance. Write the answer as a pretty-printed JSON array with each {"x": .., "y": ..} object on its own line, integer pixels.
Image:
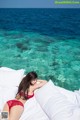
[
  {"x": 33, "y": 111},
  {"x": 58, "y": 105},
  {"x": 49, "y": 103}
]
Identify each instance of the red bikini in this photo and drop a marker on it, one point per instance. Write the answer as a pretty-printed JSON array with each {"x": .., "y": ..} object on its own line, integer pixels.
[
  {"x": 29, "y": 96},
  {"x": 14, "y": 102}
]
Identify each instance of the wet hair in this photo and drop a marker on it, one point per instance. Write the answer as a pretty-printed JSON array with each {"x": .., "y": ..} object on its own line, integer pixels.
[{"x": 25, "y": 84}]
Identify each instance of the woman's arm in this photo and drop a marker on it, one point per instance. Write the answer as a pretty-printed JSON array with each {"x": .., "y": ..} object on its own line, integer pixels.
[{"x": 39, "y": 83}]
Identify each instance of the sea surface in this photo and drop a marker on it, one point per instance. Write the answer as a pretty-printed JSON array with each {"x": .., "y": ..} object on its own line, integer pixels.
[{"x": 43, "y": 40}]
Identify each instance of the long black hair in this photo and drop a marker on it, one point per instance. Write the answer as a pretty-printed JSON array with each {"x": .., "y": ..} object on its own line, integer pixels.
[{"x": 25, "y": 83}]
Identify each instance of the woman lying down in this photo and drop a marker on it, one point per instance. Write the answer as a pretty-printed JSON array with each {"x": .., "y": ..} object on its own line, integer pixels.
[{"x": 26, "y": 90}]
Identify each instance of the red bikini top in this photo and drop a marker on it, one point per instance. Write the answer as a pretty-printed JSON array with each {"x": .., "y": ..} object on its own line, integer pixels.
[{"x": 28, "y": 96}]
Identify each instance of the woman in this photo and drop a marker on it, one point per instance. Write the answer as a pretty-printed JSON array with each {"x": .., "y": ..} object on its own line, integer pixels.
[{"x": 25, "y": 91}]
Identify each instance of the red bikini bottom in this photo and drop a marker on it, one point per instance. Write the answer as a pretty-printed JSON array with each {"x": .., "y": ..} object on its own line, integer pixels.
[{"x": 12, "y": 103}]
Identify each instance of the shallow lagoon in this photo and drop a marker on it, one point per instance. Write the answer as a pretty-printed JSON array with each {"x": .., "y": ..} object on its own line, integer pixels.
[{"x": 44, "y": 40}]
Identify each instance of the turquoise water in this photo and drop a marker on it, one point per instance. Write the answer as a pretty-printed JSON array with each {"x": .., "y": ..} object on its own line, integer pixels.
[{"x": 53, "y": 56}]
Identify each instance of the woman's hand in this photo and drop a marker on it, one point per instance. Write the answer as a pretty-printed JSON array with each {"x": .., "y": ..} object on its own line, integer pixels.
[{"x": 39, "y": 83}]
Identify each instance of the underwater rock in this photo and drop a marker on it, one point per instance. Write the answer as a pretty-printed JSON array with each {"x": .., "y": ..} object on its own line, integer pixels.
[
  {"x": 18, "y": 55},
  {"x": 21, "y": 46},
  {"x": 26, "y": 41},
  {"x": 55, "y": 63},
  {"x": 24, "y": 48}
]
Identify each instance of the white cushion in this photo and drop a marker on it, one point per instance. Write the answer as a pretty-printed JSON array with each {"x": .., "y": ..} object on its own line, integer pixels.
[
  {"x": 33, "y": 111},
  {"x": 11, "y": 77},
  {"x": 77, "y": 94},
  {"x": 7, "y": 93},
  {"x": 7, "y": 69},
  {"x": 70, "y": 95},
  {"x": 55, "y": 104}
]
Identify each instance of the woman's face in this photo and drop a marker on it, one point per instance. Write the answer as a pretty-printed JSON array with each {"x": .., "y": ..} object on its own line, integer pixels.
[{"x": 34, "y": 81}]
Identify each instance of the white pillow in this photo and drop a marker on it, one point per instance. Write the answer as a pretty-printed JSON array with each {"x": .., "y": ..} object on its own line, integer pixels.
[
  {"x": 77, "y": 94},
  {"x": 47, "y": 91},
  {"x": 70, "y": 95},
  {"x": 33, "y": 111},
  {"x": 7, "y": 69},
  {"x": 55, "y": 104},
  {"x": 11, "y": 77},
  {"x": 7, "y": 93}
]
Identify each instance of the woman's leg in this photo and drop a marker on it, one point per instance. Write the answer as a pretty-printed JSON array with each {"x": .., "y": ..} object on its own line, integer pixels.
[
  {"x": 6, "y": 108},
  {"x": 15, "y": 111}
]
